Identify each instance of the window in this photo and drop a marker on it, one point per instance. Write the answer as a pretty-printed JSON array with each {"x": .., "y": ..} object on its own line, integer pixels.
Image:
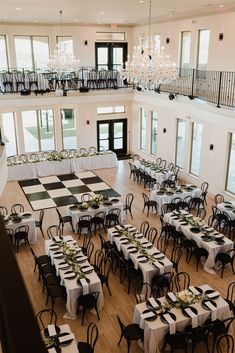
[
  {"x": 180, "y": 143},
  {"x": 203, "y": 49},
  {"x": 31, "y": 52},
  {"x": 66, "y": 43},
  {"x": 110, "y": 36},
  {"x": 111, "y": 110},
  {"x": 143, "y": 122},
  {"x": 3, "y": 53},
  {"x": 110, "y": 56},
  {"x": 196, "y": 148},
  {"x": 69, "y": 133},
  {"x": 185, "y": 50},
  {"x": 9, "y": 133},
  {"x": 230, "y": 181},
  {"x": 154, "y": 124},
  {"x": 38, "y": 128}
]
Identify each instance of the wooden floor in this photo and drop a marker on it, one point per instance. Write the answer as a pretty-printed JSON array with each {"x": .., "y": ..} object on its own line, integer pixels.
[{"x": 120, "y": 302}]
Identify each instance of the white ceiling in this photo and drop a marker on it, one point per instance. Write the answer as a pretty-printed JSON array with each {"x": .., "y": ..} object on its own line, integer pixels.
[{"x": 121, "y": 12}]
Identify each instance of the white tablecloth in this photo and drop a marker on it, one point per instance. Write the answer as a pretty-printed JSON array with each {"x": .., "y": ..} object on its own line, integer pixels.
[
  {"x": 159, "y": 176},
  {"x": 212, "y": 248},
  {"x": 148, "y": 270},
  {"x": 73, "y": 289},
  {"x": 66, "y": 166},
  {"x": 155, "y": 331},
  {"x": 72, "y": 347},
  {"x": 230, "y": 212},
  {"x": 91, "y": 212},
  {"x": 30, "y": 222},
  {"x": 161, "y": 199}
]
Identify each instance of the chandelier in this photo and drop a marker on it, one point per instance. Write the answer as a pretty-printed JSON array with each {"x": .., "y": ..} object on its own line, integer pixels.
[
  {"x": 149, "y": 66},
  {"x": 62, "y": 61}
]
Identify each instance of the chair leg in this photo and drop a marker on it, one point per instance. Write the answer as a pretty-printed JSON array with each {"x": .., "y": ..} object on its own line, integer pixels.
[
  {"x": 42, "y": 232},
  {"x": 107, "y": 285},
  {"x": 120, "y": 339},
  {"x": 128, "y": 346}
]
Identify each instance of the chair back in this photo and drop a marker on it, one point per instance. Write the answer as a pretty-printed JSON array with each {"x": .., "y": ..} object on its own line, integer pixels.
[
  {"x": 152, "y": 235},
  {"x": 86, "y": 197},
  {"x": 142, "y": 292},
  {"x": 34, "y": 157},
  {"x": 219, "y": 198},
  {"x": 204, "y": 186},
  {"x": 176, "y": 256},
  {"x": 129, "y": 199},
  {"x": 64, "y": 153},
  {"x": 98, "y": 258},
  {"x": 105, "y": 268},
  {"x": 72, "y": 200},
  {"x": 92, "y": 335},
  {"x": 231, "y": 293},
  {"x": 54, "y": 231},
  {"x": 144, "y": 228},
  {"x": 92, "y": 150},
  {"x": 170, "y": 166},
  {"x": 82, "y": 150},
  {"x": 163, "y": 163},
  {"x": 86, "y": 241},
  {"x": 3, "y": 211},
  {"x": 73, "y": 152},
  {"x": 17, "y": 208},
  {"x": 182, "y": 281},
  {"x": 225, "y": 344},
  {"x": 46, "y": 317},
  {"x": 201, "y": 213},
  {"x": 145, "y": 197},
  {"x": 162, "y": 244},
  {"x": 158, "y": 160},
  {"x": 89, "y": 250},
  {"x": 121, "y": 324},
  {"x": 23, "y": 158},
  {"x": 41, "y": 216}
]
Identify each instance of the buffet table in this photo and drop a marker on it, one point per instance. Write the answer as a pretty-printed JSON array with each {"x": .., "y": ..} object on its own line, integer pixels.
[{"x": 44, "y": 168}]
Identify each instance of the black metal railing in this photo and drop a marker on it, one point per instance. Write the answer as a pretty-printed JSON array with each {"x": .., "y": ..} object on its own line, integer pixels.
[{"x": 217, "y": 87}]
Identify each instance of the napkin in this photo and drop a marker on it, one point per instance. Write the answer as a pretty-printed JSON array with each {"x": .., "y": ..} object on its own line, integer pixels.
[
  {"x": 213, "y": 294},
  {"x": 118, "y": 227},
  {"x": 51, "y": 330},
  {"x": 213, "y": 310},
  {"x": 172, "y": 296},
  {"x": 157, "y": 256},
  {"x": 193, "y": 316},
  {"x": 153, "y": 302},
  {"x": 171, "y": 323},
  {"x": 52, "y": 350},
  {"x": 145, "y": 316},
  {"x": 159, "y": 266},
  {"x": 194, "y": 290},
  {"x": 140, "y": 258},
  {"x": 87, "y": 269},
  {"x": 66, "y": 338},
  {"x": 80, "y": 258},
  {"x": 85, "y": 286}
]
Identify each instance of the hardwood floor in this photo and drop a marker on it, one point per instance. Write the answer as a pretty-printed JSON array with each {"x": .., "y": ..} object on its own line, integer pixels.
[{"x": 120, "y": 302}]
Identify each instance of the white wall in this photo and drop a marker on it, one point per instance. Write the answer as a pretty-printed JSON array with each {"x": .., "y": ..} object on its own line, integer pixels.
[{"x": 3, "y": 169}]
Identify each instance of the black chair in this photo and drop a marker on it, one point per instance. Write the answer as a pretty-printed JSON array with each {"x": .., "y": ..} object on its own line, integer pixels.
[
  {"x": 40, "y": 260},
  {"x": 72, "y": 200},
  {"x": 84, "y": 224},
  {"x": 112, "y": 217},
  {"x": 86, "y": 197},
  {"x": 132, "y": 170},
  {"x": 197, "y": 202},
  {"x": 89, "y": 250},
  {"x": 38, "y": 224},
  {"x": 218, "y": 328},
  {"x": 54, "y": 291},
  {"x": 53, "y": 232},
  {"x": 204, "y": 188},
  {"x": 175, "y": 257},
  {"x": 17, "y": 208},
  {"x": 128, "y": 203},
  {"x": 162, "y": 244},
  {"x": 128, "y": 271},
  {"x": 189, "y": 245},
  {"x": 98, "y": 259},
  {"x": 10, "y": 232},
  {"x": 86, "y": 241},
  {"x": 181, "y": 281},
  {"x": 105, "y": 244},
  {"x": 170, "y": 166},
  {"x": 225, "y": 344},
  {"x": 219, "y": 198},
  {"x": 230, "y": 298},
  {"x": 201, "y": 213},
  {"x": 92, "y": 337},
  {"x": 226, "y": 258},
  {"x": 152, "y": 235},
  {"x": 142, "y": 292},
  {"x": 178, "y": 340},
  {"x": 46, "y": 317},
  {"x": 131, "y": 332},
  {"x": 98, "y": 220},
  {"x": 197, "y": 335},
  {"x": 21, "y": 235},
  {"x": 23, "y": 158},
  {"x": 199, "y": 253},
  {"x": 63, "y": 220},
  {"x": 3, "y": 211},
  {"x": 88, "y": 302},
  {"x": 162, "y": 284},
  {"x": 144, "y": 227},
  {"x": 104, "y": 270},
  {"x": 148, "y": 203}
]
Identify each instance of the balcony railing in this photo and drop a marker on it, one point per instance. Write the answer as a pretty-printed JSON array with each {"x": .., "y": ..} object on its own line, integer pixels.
[{"x": 216, "y": 87}]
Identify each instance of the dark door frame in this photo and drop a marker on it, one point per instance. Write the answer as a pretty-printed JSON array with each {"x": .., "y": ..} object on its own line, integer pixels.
[{"x": 111, "y": 138}]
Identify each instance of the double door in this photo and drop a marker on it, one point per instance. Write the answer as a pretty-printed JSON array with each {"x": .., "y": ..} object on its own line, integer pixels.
[
  {"x": 110, "y": 56},
  {"x": 112, "y": 135}
]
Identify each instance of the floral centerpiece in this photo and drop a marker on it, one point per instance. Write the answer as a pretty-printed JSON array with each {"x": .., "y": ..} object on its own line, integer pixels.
[
  {"x": 55, "y": 156},
  {"x": 97, "y": 199},
  {"x": 196, "y": 222},
  {"x": 69, "y": 251},
  {"x": 185, "y": 298}
]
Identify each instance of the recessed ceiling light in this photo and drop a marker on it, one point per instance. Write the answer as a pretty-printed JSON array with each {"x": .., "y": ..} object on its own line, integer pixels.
[
  {"x": 102, "y": 12},
  {"x": 141, "y": 1},
  {"x": 170, "y": 15},
  {"x": 18, "y": 8},
  {"x": 76, "y": 20},
  {"x": 221, "y": 5}
]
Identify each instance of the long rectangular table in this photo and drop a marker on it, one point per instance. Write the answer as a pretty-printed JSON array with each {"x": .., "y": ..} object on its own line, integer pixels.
[
  {"x": 228, "y": 207},
  {"x": 73, "y": 289},
  {"x": 30, "y": 222},
  {"x": 159, "y": 175},
  {"x": 65, "y": 166},
  {"x": 148, "y": 269},
  {"x": 212, "y": 247},
  {"x": 155, "y": 331}
]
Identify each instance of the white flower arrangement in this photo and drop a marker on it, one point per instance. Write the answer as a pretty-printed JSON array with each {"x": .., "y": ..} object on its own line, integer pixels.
[
  {"x": 97, "y": 199},
  {"x": 55, "y": 156},
  {"x": 185, "y": 298}
]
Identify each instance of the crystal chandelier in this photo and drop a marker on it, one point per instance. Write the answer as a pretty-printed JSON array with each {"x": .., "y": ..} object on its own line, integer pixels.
[
  {"x": 62, "y": 61},
  {"x": 149, "y": 66}
]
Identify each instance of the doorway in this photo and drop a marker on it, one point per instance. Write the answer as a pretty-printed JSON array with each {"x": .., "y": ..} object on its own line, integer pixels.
[{"x": 112, "y": 135}]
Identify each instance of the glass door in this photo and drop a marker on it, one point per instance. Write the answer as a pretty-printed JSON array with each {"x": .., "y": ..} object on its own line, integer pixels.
[
  {"x": 112, "y": 135},
  {"x": 110, "y": 56}
]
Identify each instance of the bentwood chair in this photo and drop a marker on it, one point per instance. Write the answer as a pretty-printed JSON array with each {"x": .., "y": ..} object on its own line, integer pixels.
[
  {"x": 54, "y": 231},
  {"x": 17, "y": 208},
  {"x": 181, "y": 281},
  {"x": 3, "y": 211},
  {"x": 131, "y": 332},
  {"x": 148, "y": 203},
  {"x": 88, "y": 302},
  {"x": 46, "y": 317},
  {"x": 63, "y": 220},
  {"x": 38, "y": 224},
  {"x": 144, "y": 227},
  {"x": 92, "y": 337},
  {"x": 230, "y": 298},
  {"x": 128, "y": 203},
  {"x": 21, "y": 234},
  {"x": 142, "y": 292},
  {"x": 225, "y": 344}
]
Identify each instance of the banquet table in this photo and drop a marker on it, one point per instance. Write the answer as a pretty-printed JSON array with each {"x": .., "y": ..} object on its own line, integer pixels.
[
  {"x": 65, "y": 166},
  {"x": 148, "y": 269},
  {"x": 73, "y": 289},
  {"x": 211, "y": 246},
  {"x": 160, "y": 175},
  {"x": 171, "y": 193},
  {"x": 30, "y": 222},
  {"x": 155, "y": 331},
  {"x": 64, "y": 348},
  {"x": 76, "y": 214},
  {"x": 227, "y": 207}
]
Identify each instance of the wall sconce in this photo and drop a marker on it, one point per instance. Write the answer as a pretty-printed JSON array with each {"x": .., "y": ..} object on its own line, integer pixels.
[
  {"x": 164, "y": 130},
  {"x": 167, "y": 40},
  {"x": 86, "y": 42},
  {"x": 171, "y": 96},
  {"x": 221, "y": 36},
  {"x": 211, "y": 147},
  {"x": 88, "y": 122}
]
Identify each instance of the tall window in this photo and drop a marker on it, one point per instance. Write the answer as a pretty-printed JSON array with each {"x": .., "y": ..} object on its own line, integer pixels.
[
  {"x": 69, "y": 132},
  {"x": 66, "y": 43},
  {"x": 31, "y": 52},
  {"x": 3, "y": 53},
  {"x": 196, "y": 148},
  {"x": 180, "y": 143},
  {"x": 185, "y": 50},
  {"x": 143, "y": 122},
  {"x": 154, "y": 123},
  {"x": 203, "y": 49},
  {"x": 230, "y": 182},
  {"x": 38, "y": 128},
  {"x": 9, "y": 133},
  {"x": 110, "y": 56}
]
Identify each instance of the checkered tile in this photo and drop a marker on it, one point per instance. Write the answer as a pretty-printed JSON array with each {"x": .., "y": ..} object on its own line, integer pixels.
[{"x": 53, "y": 191}]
